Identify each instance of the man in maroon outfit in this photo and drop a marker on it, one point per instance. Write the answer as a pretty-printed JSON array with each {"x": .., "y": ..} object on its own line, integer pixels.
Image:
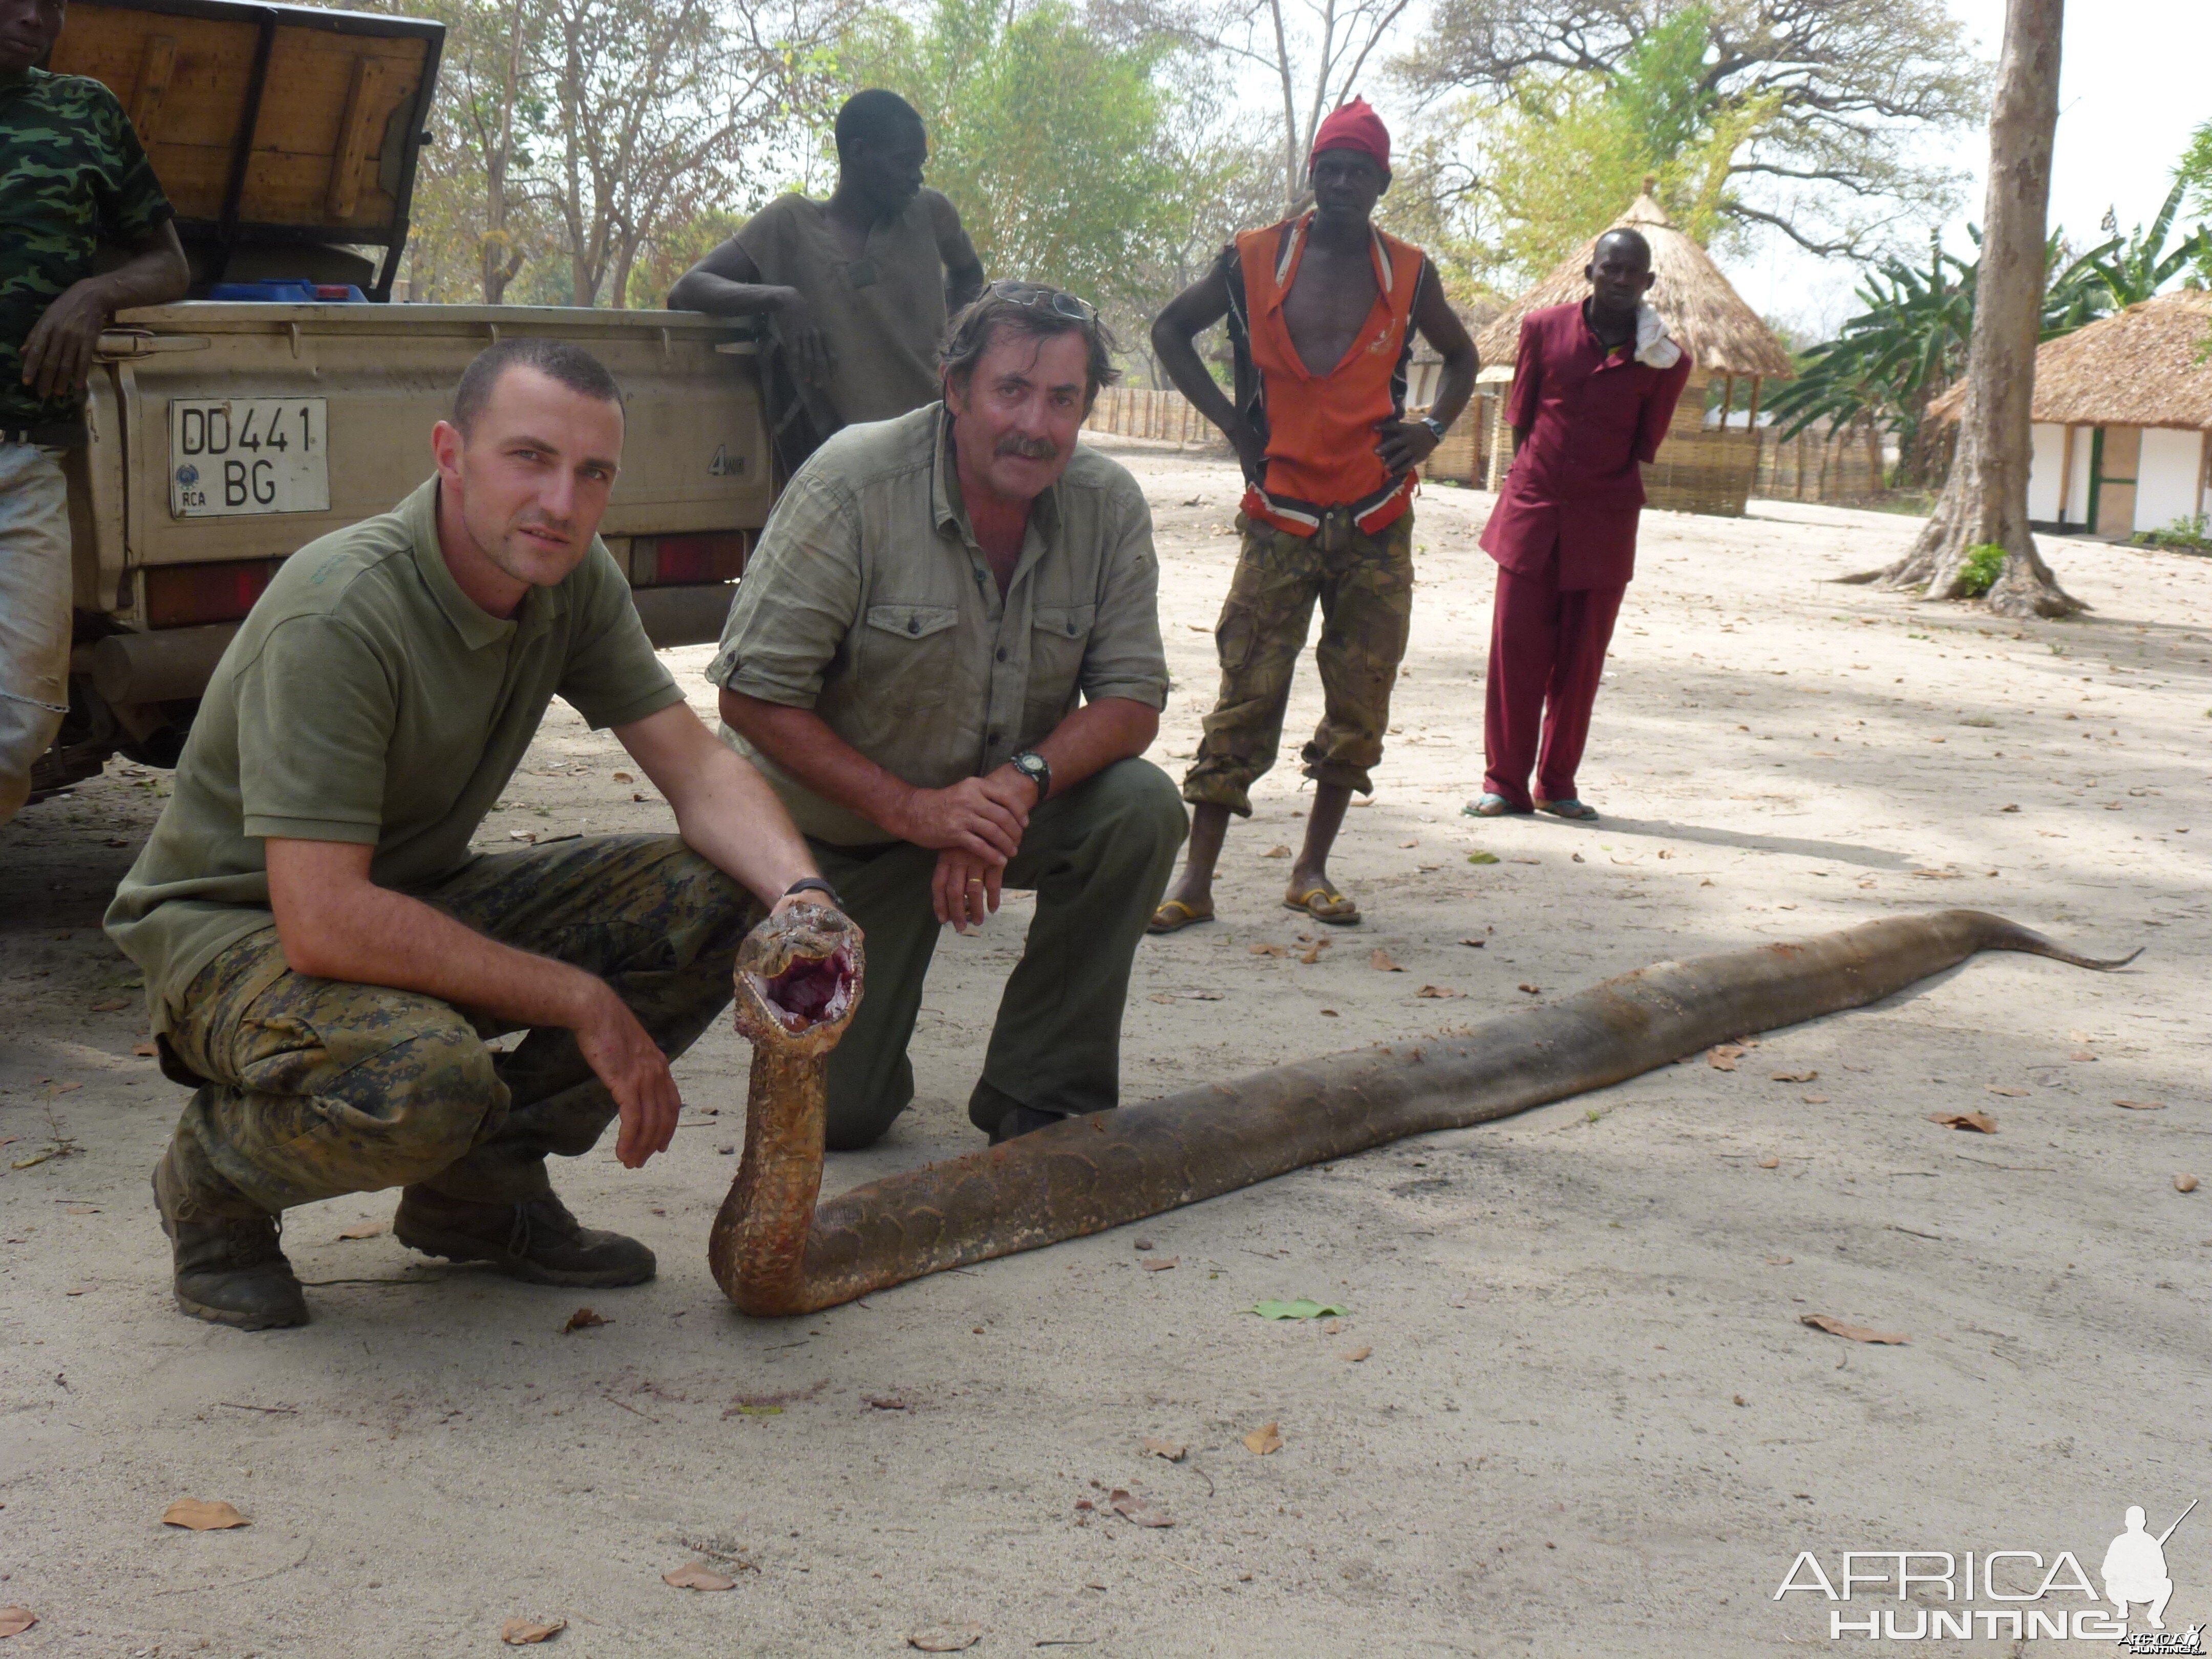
[{"x": 1594, "y": 387}]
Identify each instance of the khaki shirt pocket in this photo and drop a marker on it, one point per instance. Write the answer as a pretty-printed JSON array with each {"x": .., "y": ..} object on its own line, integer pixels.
[
  {"x": 908, "y": 654},
  {"x": 1060, "y": 634}
]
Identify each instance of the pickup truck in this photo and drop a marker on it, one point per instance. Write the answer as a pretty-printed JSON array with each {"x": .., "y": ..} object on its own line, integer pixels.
[{"x": 225, "y": 434}]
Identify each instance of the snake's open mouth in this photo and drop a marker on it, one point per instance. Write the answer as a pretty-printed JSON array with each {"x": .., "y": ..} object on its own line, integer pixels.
[{"x": 809, "y": 991}]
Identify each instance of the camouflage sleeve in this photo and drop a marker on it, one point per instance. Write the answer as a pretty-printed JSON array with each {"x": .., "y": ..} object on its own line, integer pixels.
[{"x": 132, "y": 205}]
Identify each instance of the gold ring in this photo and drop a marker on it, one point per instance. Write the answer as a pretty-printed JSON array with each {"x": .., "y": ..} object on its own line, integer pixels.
[{"x": 974, "y": 881}]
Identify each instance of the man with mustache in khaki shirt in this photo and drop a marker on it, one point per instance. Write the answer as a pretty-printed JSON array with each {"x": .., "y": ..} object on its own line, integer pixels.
[{"x": 945, "y": 656}]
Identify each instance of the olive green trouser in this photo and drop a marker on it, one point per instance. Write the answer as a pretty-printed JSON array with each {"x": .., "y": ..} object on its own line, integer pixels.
[
  {"x": 1364, "y": 585},
  {"x": 315, "y": 1087},
  {"x": 1098, "y": 858}
]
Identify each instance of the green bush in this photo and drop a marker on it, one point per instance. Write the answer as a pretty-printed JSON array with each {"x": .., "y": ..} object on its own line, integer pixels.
[
  {"x": 2191, "y": 534},
  {"x": 1985, "y": 564}
]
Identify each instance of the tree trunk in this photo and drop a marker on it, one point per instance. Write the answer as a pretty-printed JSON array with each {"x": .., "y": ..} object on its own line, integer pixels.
[{"x": 1984, "y": 500}]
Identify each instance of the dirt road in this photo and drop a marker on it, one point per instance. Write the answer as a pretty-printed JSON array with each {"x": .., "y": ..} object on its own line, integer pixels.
[{"x": 1589, "y": 1416}]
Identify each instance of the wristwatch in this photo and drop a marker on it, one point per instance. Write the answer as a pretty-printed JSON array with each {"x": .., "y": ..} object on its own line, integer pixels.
[
  {"x": 1435, "y": 427},
  {"x": 1034, "y": 766},
  {"x": 815, "y": 884}
]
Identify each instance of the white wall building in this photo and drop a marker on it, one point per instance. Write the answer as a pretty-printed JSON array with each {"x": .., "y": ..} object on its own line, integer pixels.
[{"x": 2124, "y": 421}]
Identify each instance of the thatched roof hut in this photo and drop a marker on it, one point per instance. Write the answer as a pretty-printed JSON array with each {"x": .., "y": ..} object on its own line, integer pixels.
[
  {"x": 2122, "y": 439},
  {"x": 1705, "y": 316},
  {"x": 2141, "y": 367},
  {"x": 1698, "y": 470}
]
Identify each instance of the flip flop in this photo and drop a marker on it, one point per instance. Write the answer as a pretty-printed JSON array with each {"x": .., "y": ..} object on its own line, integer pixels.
[
  {"x": 1323, "y": 903},
  {"x": 1569, "y": 808},
  {"x": 1173, "y": 916},
  {"x": 1492, "y": 807}
]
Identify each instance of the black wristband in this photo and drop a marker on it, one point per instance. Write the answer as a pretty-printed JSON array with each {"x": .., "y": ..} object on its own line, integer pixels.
[{"x": 814, "y": 884}]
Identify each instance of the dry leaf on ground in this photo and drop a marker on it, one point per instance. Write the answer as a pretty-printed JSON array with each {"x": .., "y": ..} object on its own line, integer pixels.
[
  {"x": 889, "y": 1402},
  {"x": 1477, "y": 943},
  {"x": 109, "y": 1004},
  {"x": 2081, "y": 1053},
  {"x": 1162, "y": 1264},
  {"x": 14, "y": 1621},
  {"x": 1438, "y": 991},
  {"x": 2184, "y": 1183},
  {"x": 624, "y": 777},
  {"x": 1311, "y": 954},
  {"x": 1265, "y": 1439},
  {"x": 1999, "y": 1089},
  {"x": 1723, "y": 1056},
  {"x": 1381, "y": 962},
  {"x": 528, "y": 1632},
  {"x": 1269, "y": 949},
  {"x": 582, "y": 1319},
  {"x": 946, "y": 1641},
  {"x": 1409, "y": 843},
  {"x": 1173, "y": 1450},
  {"x": 145, "y": 1050},
  {"x": 1276, "y": 853},
  {"x": 1856, "y": 1332},
  {"x": 2141, "y": 1105},
  {"x": 1142, "y": 1511},
  {"x": 199, "y": 1516},
  {"x": 1770, "y": 1162},
  {"x": 1353, "y": 1356},
  {"x": 1980, "y": 1122},
  {"x": 1793, "y": 1076},
  {"x": 1815, "y": 1100},
  {"x": 1534, "y": 990},
  {"x": 364, "y": 1230},
  {"x": 698, "y": 1576}
]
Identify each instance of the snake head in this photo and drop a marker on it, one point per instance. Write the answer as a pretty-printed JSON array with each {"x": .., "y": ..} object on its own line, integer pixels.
[{"x": 798, "y": 979}]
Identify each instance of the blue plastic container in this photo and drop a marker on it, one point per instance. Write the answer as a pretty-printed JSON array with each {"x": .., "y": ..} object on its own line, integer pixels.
[{"x": 288, "y": 291}]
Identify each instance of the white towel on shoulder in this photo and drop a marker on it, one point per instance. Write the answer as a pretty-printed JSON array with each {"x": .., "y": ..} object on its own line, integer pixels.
[{"x": 1652, "y": 345}]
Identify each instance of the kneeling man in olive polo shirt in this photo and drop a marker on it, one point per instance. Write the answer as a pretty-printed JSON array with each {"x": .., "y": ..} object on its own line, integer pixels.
[
  {"x": 325, "y": 955},
  {"x": 945, "y": 655}
]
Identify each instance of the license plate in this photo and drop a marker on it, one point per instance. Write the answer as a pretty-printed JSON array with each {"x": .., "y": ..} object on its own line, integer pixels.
[{"x": 232, "y": 456}]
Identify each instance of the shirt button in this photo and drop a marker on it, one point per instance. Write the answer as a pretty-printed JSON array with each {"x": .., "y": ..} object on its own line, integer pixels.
[
  {"x": 1002, "y": 653},
  {"x": 914, "y": 624},
  {"x": 995, "y": 736}
]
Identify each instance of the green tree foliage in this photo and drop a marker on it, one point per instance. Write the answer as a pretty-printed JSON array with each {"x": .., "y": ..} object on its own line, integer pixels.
[
  {"x": 1569, "y": 151},
  {"x": 1051, "y": 138},
  {"x": 1830, "y": 102},
  {"x": 1907, "y": 344}
]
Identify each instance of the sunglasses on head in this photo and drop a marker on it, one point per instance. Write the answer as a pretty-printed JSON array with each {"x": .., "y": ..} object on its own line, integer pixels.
[{"x": 1039, "y": 297}]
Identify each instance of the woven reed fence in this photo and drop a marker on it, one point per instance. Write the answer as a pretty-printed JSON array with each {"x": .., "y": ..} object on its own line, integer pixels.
[
  {"x": 1822, "y": 464},
  {"x": 1140, "y": 411}
]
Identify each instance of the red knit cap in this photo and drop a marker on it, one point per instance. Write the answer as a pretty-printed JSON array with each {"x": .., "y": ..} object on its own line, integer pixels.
[{"x": 1356, "y": 126}]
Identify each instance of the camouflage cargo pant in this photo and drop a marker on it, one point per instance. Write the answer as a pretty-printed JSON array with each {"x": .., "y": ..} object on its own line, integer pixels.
[
  {"x": 1365, "y": 587},
  {"x": 315, "y": 1087}
]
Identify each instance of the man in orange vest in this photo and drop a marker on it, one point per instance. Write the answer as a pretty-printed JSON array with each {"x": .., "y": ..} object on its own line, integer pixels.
[{"x": 1321, "y": 312}]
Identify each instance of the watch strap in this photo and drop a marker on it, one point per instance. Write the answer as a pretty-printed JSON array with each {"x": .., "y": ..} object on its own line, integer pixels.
[{"x": 815, "y": 884}]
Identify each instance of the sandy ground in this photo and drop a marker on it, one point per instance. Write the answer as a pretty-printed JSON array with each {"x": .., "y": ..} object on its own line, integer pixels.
[{"x": 1590, "y": 1418}]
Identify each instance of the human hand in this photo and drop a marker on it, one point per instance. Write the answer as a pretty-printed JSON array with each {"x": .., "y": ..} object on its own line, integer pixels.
[
  {"x": 57, "y": 354},
  {"x": 627, "y": 1061},
  {"x": 984, "y": 817},
  {"x": 964, "y": 889},
  {"x": 804, "y": 339},
  {"x": 1405, "y": 445}
]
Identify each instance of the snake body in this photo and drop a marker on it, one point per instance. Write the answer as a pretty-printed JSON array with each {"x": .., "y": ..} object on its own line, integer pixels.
[{"x": 774, "y": 1251}]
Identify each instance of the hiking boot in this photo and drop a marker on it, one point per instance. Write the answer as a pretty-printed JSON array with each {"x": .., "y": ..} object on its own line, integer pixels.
[
  {"x": 230, "y": 1267},
  {"x": 537, "y": 1241}
]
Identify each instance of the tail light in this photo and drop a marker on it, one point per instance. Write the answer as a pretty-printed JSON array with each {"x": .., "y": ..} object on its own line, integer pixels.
[
  {"x": 671, "y": 561},
  {"x": 184, "y": 595}
]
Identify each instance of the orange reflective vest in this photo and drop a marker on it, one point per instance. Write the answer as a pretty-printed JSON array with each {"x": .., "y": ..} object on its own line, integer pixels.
[{"x": 1320, "y": 428}]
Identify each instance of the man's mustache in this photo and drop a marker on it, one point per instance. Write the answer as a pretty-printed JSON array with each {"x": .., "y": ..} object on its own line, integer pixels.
[
  {"x": 564, "y": 528},
  {"x": 1029, "y": 449}
]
